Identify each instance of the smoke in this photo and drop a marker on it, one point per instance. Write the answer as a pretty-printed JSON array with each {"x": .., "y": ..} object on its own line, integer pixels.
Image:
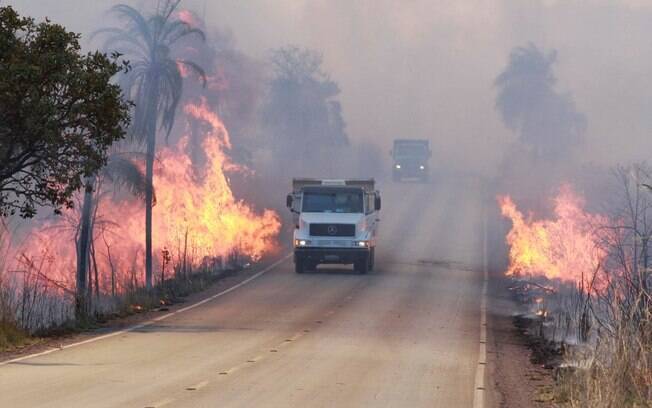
[
  {"x": 545, "y": 120},
  {"x": 549, "y": 128},
  {"x": 302, "y": 117},
  {"x": 428, "y": 67}
]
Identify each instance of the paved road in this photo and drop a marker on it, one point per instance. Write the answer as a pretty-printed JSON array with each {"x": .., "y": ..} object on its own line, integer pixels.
[{"x": 406, "y": 335}]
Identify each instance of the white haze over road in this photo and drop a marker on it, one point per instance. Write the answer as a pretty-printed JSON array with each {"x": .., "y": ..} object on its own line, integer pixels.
[
  {"x": 407, "y": 334},
  {"x": 425, "y": 68}
]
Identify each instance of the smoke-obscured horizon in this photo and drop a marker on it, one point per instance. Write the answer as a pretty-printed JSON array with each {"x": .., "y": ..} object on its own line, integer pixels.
[{"x": 426, "y": 69}]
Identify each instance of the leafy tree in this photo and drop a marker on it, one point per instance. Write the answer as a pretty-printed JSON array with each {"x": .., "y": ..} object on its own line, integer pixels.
[
  {"x": 59, "y": 113},
  {"x": 302, "y": 112},
  {"x": 155, "y": 83},
  {"x": 545, "y": 119}
]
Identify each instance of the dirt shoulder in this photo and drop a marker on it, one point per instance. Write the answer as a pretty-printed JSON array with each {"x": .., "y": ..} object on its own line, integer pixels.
[
  {"x": 38, "y": 345},
  {"x": 516, "y": 379}
]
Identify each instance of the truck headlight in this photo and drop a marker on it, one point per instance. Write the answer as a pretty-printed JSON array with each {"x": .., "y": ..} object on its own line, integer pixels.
[
  {"x": 362, "y": 244},
  {"x": 301, "y": 242},
  {"x": 398, "y": 166},
  {"x": 422, "y": 167}
]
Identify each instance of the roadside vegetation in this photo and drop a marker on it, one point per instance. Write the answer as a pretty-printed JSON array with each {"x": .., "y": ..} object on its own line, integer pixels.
[
  {"x": 578, "y": 242},
  {"x": 136, "y": 175},
  {"x": 610, "y": 364}
]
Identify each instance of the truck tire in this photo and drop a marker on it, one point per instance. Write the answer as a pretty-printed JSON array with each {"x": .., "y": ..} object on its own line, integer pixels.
[
  {"x": 299, "y": 266},
  {"x": 362, "y": 266},
  {"x": 372, "y": 259}
]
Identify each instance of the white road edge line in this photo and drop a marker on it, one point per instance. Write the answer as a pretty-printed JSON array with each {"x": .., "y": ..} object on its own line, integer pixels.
[
  {"x": 152, "y": 321},
  {"x": 479, "y": 388}
]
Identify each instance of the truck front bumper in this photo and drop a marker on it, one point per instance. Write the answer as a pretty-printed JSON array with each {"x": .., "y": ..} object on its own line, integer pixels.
[
  {"x": 330, "y": 255},
  {"x": 410, "y": 172}
]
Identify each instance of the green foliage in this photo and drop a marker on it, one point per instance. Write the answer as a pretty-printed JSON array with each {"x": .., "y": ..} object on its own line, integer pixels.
[{"x": 59, "y": 113}]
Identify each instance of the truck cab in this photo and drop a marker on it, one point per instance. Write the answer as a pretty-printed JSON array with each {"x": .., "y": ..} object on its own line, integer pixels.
[
  {"x": 410, "y": 159},
  {"x": 336, "y": 222}
]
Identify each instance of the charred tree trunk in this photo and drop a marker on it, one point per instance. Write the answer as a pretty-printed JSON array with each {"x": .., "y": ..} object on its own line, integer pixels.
[
  {"x": 81, "y": 301},
  {"x": 185, "y": 254},
  {"x": 149, "y": 196},
  {"x": 95, "y": 272},
  {"x": 152, "y": 115}
]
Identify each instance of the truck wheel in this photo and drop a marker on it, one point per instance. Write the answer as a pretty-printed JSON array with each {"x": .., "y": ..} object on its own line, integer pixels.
[
  {"x": 372, "y": 259},
  {"x": 299, "y": 266},
  {"x": 362, "y": 266}
]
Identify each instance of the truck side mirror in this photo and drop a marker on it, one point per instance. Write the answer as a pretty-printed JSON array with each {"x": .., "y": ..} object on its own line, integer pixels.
[
  {"x": 377, "y": 203},
  {"x": 288, "y": 201}
]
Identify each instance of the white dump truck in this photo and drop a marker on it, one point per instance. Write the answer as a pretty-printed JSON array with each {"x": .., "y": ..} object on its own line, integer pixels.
[{"x": 336, "y": 222}]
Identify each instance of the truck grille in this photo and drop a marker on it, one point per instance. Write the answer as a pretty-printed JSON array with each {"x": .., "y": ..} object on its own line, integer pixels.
[{"x": 332, "y": 230}]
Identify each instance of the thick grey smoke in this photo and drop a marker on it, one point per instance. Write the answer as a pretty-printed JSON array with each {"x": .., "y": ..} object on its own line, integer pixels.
[
  {"x": 302, "y": 115},
  {"x": 426, "y": 68},
  {"x": 548, "y": 126},
  {"x": 545, "y": 120}
]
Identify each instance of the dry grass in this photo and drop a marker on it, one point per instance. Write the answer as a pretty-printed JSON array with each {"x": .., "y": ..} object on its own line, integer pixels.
[
  {"x": 11, "y": 337},
  {"x": 615, "y": 372},
  {"x": 612, "y": 367}
]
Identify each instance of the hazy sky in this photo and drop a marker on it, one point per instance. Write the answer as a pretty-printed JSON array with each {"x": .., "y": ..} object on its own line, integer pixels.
[{"x": 425, "y": 68}]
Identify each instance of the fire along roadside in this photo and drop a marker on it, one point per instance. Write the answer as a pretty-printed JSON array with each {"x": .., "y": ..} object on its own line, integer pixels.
[{"x": 152, "y": 321}]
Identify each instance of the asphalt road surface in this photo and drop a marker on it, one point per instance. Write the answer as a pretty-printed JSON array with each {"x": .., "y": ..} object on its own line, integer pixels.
[{"x": 405, "y": 335}]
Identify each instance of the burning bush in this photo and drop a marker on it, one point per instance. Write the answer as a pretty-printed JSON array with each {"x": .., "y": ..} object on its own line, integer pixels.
[
  {"x": 596, "y": 272},
  {"x": 196, "y": 218},
  {"x": 565, "y": 248}
]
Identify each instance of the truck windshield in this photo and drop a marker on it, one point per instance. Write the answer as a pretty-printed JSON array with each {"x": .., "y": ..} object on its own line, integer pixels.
[
  {"x": 332, "y": 202},
  {"x": 416, "y": 150}
]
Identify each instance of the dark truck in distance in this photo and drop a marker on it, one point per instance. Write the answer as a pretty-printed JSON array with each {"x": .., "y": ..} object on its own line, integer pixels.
[{"x": 411, "y": 158}]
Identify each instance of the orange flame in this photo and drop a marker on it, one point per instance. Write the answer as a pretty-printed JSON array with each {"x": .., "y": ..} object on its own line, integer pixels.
[
  {"x": 563, "y": 248},
  {"x": 207, "y": 210},
  {"x": 195, "y": 217}
]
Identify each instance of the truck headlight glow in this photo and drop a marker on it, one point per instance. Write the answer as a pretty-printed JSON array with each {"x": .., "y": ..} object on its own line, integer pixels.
[
  {"x": 362, "y": 244},
  {"x": 398, "y": 166},
  {"x": 422, "y": 167},
  {"x": 301, "y": 242}
]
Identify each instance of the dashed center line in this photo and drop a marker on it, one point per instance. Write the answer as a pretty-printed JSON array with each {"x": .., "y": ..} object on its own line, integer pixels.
[
  {"x": 198, "y": 386},
  {"x": 248, "y": 362}
]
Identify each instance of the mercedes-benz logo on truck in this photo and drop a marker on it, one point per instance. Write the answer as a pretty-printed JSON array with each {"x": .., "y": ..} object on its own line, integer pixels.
[{"x": 332, "y": 230}]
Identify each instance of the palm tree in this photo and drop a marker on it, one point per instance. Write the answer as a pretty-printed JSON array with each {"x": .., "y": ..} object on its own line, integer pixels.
[
  {"x": 154, "y": 82},
  {"x": 122, "y": 171}
]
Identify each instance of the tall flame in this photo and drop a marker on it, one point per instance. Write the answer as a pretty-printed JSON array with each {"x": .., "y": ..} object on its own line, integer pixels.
[
  {"x": 207, "y": 209},
  {"x": 564, "y": 248},
  {"x": 196, "y": 216}
]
